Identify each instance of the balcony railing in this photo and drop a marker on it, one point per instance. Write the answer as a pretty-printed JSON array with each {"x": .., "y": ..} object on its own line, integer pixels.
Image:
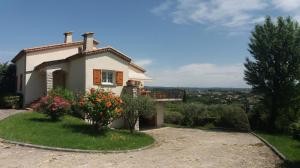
[{"x": 163, "y": 95}]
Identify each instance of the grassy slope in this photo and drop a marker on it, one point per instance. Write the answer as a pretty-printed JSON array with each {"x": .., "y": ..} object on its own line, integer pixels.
[
  {"x": 288, "y": 146},
  {"x": 70, "y": 132}
]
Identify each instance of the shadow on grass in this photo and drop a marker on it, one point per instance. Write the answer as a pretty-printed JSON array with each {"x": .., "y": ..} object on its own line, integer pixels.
[
  {"x": 291, "y": 164},
  {"x": 86, "y": 129},
  {"x": 43, "y": 120}
]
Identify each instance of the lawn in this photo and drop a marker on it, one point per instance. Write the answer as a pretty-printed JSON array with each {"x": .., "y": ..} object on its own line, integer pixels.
[
  {"x": 288, "y": 146},
  {"x": 69, "y": 132}
]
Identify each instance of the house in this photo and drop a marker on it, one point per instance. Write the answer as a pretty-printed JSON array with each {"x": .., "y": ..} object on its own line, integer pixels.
[{"x": 75, "y": 65}]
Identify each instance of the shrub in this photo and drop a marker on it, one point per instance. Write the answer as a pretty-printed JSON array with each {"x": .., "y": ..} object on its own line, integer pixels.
[
  {"x": 63, "y": 93},
  {"x": 101, "y": 107},
  {"x": 76, "y": 107},
  {"x": 53, "y": 106},
  {"x": 11, "y": 101},
  {"x": 295, "y": 129},
  {"x": 234, "y": 118},
  {"x": 196, "y": 114},
  {"x": 191, "y": 114},
  {"x": 173, "y": 117},
  {"x": 7, "y": 78},
  {"x": 134, "y": 107},
  {"x": 73, "y": 98}
]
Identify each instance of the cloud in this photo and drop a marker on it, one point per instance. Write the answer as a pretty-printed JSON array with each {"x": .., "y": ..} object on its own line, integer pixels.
[
  {"x": 162, "y": 7},
  {"x": 200, "y": 75},
  {"x": 144, "y": 62},
  {"x": 290, "y": 7},
  {"x": 231, "y": 14},
  {"x": 287, "y": 5}
]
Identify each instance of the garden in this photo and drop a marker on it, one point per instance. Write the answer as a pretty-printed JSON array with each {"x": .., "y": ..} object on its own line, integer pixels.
[
  {"x": 81, "y": 121},
  {"x": 8, "y": 96}
]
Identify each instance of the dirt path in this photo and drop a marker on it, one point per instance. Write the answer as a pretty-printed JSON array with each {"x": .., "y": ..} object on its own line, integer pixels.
[{"x": 175, "y": 148}]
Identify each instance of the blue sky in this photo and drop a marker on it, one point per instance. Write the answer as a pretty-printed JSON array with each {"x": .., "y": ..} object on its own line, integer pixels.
[{"x": 196, "y": 43}]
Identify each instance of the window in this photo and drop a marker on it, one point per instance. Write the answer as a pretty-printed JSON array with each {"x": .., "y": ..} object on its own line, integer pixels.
[
  {"x": 107, "y": 77},
  {"x": 21, "y": 82}
]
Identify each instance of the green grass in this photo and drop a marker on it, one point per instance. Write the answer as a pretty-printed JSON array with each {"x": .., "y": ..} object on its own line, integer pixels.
[
  {"x": 69, "y": 132},
  {"x": 288, "y": 146}
]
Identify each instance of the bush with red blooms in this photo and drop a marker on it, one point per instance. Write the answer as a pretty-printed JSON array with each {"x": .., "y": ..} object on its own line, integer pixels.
[
  {"x": 101, "y": 107},
  {"x": 53, "y": 106}
]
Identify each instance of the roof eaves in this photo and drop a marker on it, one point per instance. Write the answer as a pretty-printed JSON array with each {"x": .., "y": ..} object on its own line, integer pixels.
[
  {"x": 137, "y": 67},
  {"x": 18, "y": 56},
  {"x": 108, "y": 49}
]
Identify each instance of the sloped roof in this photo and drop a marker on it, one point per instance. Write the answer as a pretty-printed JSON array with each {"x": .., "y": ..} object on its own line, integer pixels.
[
  {"x": 92, "y": 52},
  {"x": 108, "y": 49},
  {"x": 47, "y": 47}
]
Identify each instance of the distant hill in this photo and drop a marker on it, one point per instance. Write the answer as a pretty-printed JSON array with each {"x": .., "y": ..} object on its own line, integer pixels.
[{"x": 196, "y": 89}]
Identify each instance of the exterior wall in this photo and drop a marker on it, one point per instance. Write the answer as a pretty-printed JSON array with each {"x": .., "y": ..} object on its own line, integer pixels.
[
  {"x": 39, "y": 82},
  {"x": 105, "y": 61},
  {"x": 36, "y": 58},
  {"x": 75, "y": 77},
  {"x": 20, "y": 69},
  {"x": 50, "y": 76},
  {"x": 137, "y": 71},
  {"x": 159, "y": 114},
  {"x": 35, "y": 82},
  {"x": 35, "y": 86}
]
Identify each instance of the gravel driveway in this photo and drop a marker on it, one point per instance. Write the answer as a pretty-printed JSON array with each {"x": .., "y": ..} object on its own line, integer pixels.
[{"x": 175, "y": 147}]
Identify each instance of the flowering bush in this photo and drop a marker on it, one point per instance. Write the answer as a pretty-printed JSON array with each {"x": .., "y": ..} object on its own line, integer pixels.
[
  {"x": 101, "y": 107},
  {"x": 53, "y": 106}
]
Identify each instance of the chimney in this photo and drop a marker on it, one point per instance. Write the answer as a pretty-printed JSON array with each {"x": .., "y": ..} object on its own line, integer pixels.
[
  {"x": 88, "y": 41},
  {"x": 68, "y": 37}
]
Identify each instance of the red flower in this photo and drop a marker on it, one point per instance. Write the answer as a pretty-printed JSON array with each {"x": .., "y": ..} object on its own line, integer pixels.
[{"x": 108, "y": 104}]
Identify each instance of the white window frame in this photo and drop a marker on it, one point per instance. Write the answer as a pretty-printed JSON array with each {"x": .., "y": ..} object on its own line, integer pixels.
[{"x": 106, "y": 80}]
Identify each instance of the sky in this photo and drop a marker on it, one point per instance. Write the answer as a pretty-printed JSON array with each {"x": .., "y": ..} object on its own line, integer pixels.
[{"x": 181, "y": 43}]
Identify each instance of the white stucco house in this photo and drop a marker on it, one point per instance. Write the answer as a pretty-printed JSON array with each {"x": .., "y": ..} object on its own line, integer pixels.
[{"x": 75, "y": 65}]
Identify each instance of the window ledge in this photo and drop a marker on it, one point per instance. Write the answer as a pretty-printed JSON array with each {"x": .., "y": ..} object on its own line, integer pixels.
[{"x": 107, "y": 84}]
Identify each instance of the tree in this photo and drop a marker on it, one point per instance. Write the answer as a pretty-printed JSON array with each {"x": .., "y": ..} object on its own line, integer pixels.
[
  {"x": 273, "y": 72},
  {"x": 184, "y": 96},
  {"x": 134, "y": 107},
  {"x": 7, "y": 78}
]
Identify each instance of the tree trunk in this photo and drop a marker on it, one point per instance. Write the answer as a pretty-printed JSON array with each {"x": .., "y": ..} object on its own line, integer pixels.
[{"x": 131, "y": 128}]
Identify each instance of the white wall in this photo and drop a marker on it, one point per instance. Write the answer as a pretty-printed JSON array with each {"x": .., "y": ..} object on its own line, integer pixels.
[
  {"x": 35, "y": 82},
  {"x": 36, "y": 58},
  {"x": 105, "y": 61},
  {"x": 20, "y": 69},
  {"x": 75, "y": 78},
  {"x": 35, "y": 86},
  {"x": 137, "y": 71}
]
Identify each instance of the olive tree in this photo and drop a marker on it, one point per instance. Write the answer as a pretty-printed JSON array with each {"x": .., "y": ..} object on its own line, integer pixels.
[{"x": 135, "y": 107}]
